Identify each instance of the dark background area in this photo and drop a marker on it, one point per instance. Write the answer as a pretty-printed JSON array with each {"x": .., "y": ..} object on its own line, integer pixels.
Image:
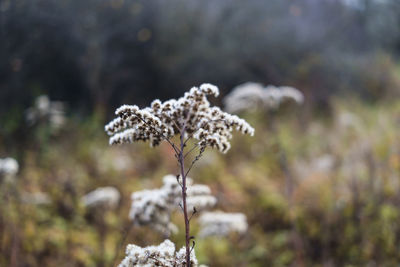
[{"x": 98, "y": 54}]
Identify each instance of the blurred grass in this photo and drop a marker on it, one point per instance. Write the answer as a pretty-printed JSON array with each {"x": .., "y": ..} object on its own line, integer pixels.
[{"x": 317, "y": 191}]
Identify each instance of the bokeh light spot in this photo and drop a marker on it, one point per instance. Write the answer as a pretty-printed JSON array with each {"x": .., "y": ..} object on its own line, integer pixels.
[{"x": 144, "y": 35}]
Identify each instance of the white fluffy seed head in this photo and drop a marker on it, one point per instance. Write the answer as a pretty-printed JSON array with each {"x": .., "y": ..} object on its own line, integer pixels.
[
  {"x": 162, "y": 120},
  {"x": 102, "y": 197},
  {"x": 161, "y": 255},
  {"x": 222, "y": 224},
  {"x": 9, "y": 166},
  {"x": 250, "y": 96},
  {"x": 154, "y": 207},
  {"x": 44, "y": 110}
]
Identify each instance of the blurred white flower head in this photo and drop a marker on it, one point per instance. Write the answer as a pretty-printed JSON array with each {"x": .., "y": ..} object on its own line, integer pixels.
[
  {"x": 252, "y": 96},
  {"x": 322, "y": 164},
  {"x": 349, "y": 120},
  {"x": 42, "y": 104},
  {"x": 37, "y": 198},
  {"x": 52, "y": 112},
  {"x": 154, "y": 207},
  {"x": 222, "y": 224},
  {"x": 200, "y": 198},
  {"x": 161, "y": 255},
  {"x": 121, "y": 162},
  {"x": 8, "y": 169},
  {"x": 162, "y": 120},
  {"x": 102, "y": 197},
  {"x": 246, "y": 96},
  {"x": 9, "y": 166}
]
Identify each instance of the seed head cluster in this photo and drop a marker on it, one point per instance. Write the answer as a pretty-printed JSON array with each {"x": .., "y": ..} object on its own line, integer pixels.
[
  {"x": 250, "y": 96},
  {"x": 104, "y": 197},
  {"x": 161, "y": 255},
  {"x": 219, "y": 223},
  {"x": 190, "y": 115},
  {"x": 44, "y": 110},
  {"x": 154, "y": 207},
  {"x": 8, "y": 169},
  {"x": 8, "y": 166}
]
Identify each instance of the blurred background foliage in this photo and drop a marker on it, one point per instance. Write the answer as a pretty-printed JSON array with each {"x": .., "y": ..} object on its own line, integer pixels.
[{"x": 319, "y": 183}]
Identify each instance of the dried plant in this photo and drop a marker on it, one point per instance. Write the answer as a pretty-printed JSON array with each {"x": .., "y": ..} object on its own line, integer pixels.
[
  {"x": 8, "y": 169},
  {"x": 102, "y": 197},
  {"x": 219, "y": 223},
  {"x": 154, "y": 207},
  {"x": 161, "y": 255},
  {"x": 190, "y": 117},
  {"x": 45, "y": 110},
  {"x": 251, "y": 96}
]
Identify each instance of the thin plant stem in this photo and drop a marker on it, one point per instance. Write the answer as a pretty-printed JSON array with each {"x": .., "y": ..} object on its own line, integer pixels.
[
  {"x": 181, "y": 160},
  {"x": 193, "y": 148},
  {"x": 195, "y": 159}
]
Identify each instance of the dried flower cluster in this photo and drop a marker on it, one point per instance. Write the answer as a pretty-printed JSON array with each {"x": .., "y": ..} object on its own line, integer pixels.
[
  {"x": 45, "y": 110},
  {"x": 161, "y": 255},
  {"x": 36, "y": 198},
  {"x": 191, "y": 114},
  {"x": 8, "y": 170},
  {"x": 154, "y": 207},
  {"x": 8, "y": 166},
  {"x": 189, "y": 117},
  {"x": 250, "y": 96},
  {"x": 222, "y": 224},
  {"x": 106, "y": 197}
]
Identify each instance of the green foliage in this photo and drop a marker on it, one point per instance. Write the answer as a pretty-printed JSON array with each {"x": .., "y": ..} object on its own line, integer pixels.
[{"x": 343, "y": 212}]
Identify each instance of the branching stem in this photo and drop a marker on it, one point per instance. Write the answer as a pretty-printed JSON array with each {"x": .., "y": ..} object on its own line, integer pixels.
[
  {"x": 195, "y": 159},
  {"x": 181, "y": 155},
  {"x": 177, "y": 151}
]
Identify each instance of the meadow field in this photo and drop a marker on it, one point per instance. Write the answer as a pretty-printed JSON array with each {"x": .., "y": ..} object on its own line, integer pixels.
[{"x": 317, "y": 82}]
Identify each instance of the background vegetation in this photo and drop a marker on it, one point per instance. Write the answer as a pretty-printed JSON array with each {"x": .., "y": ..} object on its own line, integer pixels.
[{"x": 319, "y": 183}]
